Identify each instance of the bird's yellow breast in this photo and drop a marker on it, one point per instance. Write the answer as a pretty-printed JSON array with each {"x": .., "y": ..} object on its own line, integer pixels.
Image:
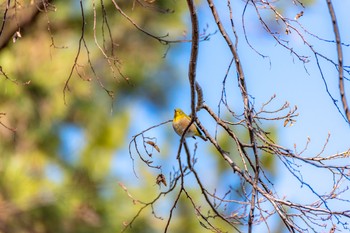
[{"x": 180, "y": 123}]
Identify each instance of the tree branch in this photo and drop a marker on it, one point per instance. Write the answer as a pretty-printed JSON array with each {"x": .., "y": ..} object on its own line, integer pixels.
[
  {"x": 340, "y": 59},
  {"x": 16, "y": 18},
  {"x": 194, "y": 55},
  {"x": 247, "y": 108}
]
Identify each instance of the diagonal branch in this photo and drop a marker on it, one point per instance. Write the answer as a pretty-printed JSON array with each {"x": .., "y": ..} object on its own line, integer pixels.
[
  {"x": 340, "y": 59},
  {"x": 15, "y": 18}
]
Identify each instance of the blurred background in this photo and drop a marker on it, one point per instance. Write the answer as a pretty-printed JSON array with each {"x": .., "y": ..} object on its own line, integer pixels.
[{"x": 66, "y": 157}]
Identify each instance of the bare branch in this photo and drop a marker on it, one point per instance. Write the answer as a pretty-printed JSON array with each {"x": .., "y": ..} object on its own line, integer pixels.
[{"x": 340, "y": 59}]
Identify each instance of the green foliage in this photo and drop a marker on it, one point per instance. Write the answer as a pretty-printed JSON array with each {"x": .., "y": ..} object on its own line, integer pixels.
[{"x": 42, "y": 187}]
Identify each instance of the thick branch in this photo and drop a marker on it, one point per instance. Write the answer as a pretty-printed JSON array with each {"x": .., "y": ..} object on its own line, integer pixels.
[
  {"x": 15, "y": 18},
  {"x": 194, "y": 55},
  {"x": 340, "y": 59}
]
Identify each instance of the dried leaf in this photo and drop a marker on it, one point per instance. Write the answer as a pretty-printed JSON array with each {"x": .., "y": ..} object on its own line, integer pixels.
[
  {"x": 288, "y": 31},
  {"x": 16, "y": 36},
  {"x": 299, "y": 15},
  {"x": 288, "y": 121},
  {"x": 154, "y": 145},
  {"x": 161, "y": 179},
  {"x": 332, "y": 230}
]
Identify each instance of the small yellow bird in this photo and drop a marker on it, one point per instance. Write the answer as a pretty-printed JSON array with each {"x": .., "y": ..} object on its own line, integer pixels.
[{"x": 180, "y": 123}]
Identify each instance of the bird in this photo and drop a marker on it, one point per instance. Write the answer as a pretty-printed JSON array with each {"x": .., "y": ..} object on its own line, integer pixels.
[{"x": 180, "y": 123}]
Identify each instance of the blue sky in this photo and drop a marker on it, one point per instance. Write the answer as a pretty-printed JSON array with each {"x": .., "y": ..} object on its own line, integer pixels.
[{"x": 286, "y": 78}]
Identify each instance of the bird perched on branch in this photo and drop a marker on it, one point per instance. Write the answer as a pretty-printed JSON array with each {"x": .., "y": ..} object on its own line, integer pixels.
[{"x": 180, "y": 123}]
